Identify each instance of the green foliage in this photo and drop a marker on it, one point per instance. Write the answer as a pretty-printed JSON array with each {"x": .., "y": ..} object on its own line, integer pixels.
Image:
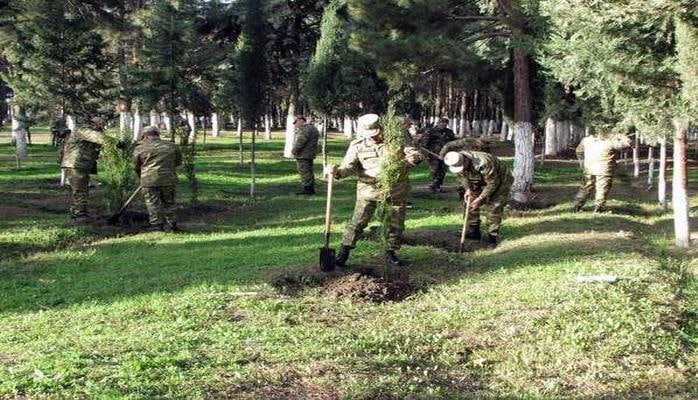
[
  {"x": 251, "y": 65},
  {"x": 117, "y": 173},
  {"x": 187, "y": 147},
  {"x": 57, "y": 57}
]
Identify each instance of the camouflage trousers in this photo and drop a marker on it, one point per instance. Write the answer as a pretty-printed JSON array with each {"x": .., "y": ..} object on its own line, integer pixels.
[
  {"x": 79, "y": 181},
  {"x": 594, "y": 183},
  {"x": 437, "y": 169},
  {"x": 305, "y": 170},
  {"x": 494, "y": 208},
  {"x": 160, "y": 202},
  {"x": 364, "y": 211}
]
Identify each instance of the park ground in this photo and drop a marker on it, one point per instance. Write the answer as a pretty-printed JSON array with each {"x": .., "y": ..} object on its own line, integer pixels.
[{"x": 234, "y": 308}]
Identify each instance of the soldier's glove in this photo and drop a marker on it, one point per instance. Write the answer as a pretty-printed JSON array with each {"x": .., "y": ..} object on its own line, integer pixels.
[{"x": 475, "y": 204}]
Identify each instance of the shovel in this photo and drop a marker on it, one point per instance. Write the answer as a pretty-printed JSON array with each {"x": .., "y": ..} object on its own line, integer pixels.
[
  {"x": 466, "y": 212},
  {"x": 115, "y": 218},
  {"x": 327, "y": 256}
]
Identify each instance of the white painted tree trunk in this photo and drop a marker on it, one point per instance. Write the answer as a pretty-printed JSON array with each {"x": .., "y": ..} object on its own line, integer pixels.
[
  {"x": 636, "y": 158},
  {"x": 191, "y": 120},
  {"x": 125, "y": 122},
  {"x": 523, "y": 162},
  {"x": 348, "y": 128},
  {"x": 267, "y": 127},
  {"x": 661, "y": 179},
  {"x": 154, "y": 118},
  {"x": 290, "y": 131},
  {"x": 136, "y": 125},
  {"x": 679, "y": 196},
  {"x": 504, "y": 133},
  {"x": 70, "y": 122},
  {"x": 215, "y": 125},
  {"x": 650, "y": 167},
  {"x": 550, "y": 137},
  {"x": 239, "y": 126},
  {"x": 476, "y": 128},
  {"x": 491, "y": 127}
]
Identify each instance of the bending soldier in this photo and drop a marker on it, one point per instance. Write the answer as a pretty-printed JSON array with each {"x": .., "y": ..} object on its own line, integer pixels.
[
  {"x": 465, "y": 144},
  {"x": 488, "y": 183},
  {"x": 598, "y": 155},
  {"x": 433, "y": 140},
  {"x": 365, "y": 157},
  {"x": 304, "y": 151},
  {"x": 155, "y": 161},
  {"x": 80, "y": 154}
]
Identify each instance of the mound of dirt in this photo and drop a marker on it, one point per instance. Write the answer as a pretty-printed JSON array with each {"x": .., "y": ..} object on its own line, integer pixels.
[
  {"x": 358, "y": 284},
  {"x": 200, "y": 209},
  {"x": 362, "y": 287}
]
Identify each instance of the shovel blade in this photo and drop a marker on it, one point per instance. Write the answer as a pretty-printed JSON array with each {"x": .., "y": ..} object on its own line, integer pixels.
[{"x": 327, "y": 259}]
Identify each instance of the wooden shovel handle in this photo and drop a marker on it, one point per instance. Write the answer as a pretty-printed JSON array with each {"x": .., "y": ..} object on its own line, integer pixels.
[
  {"x": 328, "y": 210},
  {"x": 466, "y": 213}
]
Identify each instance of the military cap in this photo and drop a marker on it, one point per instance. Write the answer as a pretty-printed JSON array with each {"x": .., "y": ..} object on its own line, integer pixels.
[
  {"x": 151, "y": 131},
  {"x": 443, "y": 120},
  {"x": 456, "y": 161},
  {"x": 369, "y": 125}
]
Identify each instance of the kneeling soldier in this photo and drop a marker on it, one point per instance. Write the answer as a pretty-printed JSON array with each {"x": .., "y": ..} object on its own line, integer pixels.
[
  {"x": 366, "y": 157},
  {"x": 488, "y": 183},
  {"x": 155, "y": 161}
]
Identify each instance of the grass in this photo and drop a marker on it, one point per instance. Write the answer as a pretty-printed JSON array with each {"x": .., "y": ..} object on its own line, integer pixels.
[{"x": 93, "y": 312}]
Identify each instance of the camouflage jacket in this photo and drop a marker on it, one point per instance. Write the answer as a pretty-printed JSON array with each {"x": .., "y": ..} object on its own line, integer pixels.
[
  {"x": 485, "y": 173},
  {"x": 155, "y": 161},
  {"x": 305, "y": 142},
  {"x": 599, "y": 155},
  {"x": 434, "y": 139},
  {"x": 365, "y": 158},
  {"x": 81, "y": 150}
]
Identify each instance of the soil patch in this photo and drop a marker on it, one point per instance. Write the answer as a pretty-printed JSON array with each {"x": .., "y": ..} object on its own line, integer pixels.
[{"x": 359, "y": 284}]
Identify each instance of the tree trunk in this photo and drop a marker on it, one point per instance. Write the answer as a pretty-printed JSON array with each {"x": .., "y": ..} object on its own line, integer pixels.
[
  {"x": 70, "y": 122},
  {"x": 215, "y": 125},
  {"x": 523, "y": 131},
  {"x": 167, "y": 120},
  {"x": 636, "y": 157},
  {"x": 661, "y": 179},
  {"x": 125, "y": 122},
  {"x": 290, "y": 129},
  {"x": 19, "y": 133},
  {"x": 679, "y": 186},
  {"x": 650, "y": 167},
  {"x": 240, "y": 134},
  {"x": 550, "y": 148},
  {"x": 503, "y": 135},
  {"x": 136, "y": 125},
  {"x": 154, "y": 120},
  {"x": 253, "y": 166},
  {"x": 463, "y": 115},
  {"x": 324, "y": 143},
  {"x": 347, "y": 128},
  {"x": 191, "y": 120},
  {"x": 267, "y": 127}
]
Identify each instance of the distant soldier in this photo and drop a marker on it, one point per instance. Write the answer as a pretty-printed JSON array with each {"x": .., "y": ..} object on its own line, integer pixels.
[
  {"x": 365, "y": 157},
  {"x": 488, "y": 183},
  {"x": 434, "y": 140},
  {"x": 304, "y": 151},
  {"x": 596, "y": 154},
  {"x": 80, "y": 153},
  {"x": 155, "y": 161}
]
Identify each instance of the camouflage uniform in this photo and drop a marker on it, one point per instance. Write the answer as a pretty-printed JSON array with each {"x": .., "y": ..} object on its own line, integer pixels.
[
  {"x": 465, "y": 144},
  {"x": 365, "y": 157},
  {"x": 80, "y": 152},
  {"x": 599, "y": 163},
  {"x": 489, "y": 180},
  {"x": 155, "y": 161},
  {"x": 304, "y": 151},
  {"x": 434, "y": 140}
]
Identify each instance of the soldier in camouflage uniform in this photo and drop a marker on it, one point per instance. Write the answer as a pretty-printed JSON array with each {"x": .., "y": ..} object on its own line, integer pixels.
[
  {"x": 598, "y": 155},
  {"x": 304, "y": 151},
  {"x": 155, "y": 161},
  {"x": 80, "y": 152},
  {"x": 433, "y": 140},
  {"x": 365, "y": 158},
  {"x": 465, "y": 144},
  {"x": 488, "y": 183}
]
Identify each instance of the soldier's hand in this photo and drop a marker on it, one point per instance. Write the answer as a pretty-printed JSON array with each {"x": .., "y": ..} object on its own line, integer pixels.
[
  {"x": 330, "y": 169},
  {"x": 474, "y": 205},
  {"x": 413, "y": 156}
]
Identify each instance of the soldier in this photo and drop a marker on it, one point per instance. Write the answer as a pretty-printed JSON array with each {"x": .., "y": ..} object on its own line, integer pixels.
[
  {"x": 433, "y": 140},
  {"x": 465, "y": 144},
  {"x": 365, "y": 157},
  {"x": 155, "y": 161},
  {"x": 596, "y": 153},
  {"x": 488, "y": 182},
  {"x": 80, "y": 153},
  {"x": 304, "y": 151}
]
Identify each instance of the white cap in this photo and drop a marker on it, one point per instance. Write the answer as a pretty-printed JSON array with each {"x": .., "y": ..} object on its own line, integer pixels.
[
  {"x": 368, "y": 125},
  {"x": 455, "y": 161}
]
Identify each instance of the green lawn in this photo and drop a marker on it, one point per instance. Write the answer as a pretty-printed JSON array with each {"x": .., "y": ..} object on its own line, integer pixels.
[{"x": 97, "y": 312}]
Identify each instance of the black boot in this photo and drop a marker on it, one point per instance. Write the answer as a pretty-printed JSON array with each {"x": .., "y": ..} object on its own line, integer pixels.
[
  {"x": 342, "y": 256},
  {"x": 307, "y": 191},
  {"x": 473, "y": 232},
  {"x": 578, "y": 208},
  {"x": 490, "y": 240},
  {"x": 391, "y": 259},
  {"x": 156, "y": 228},
  {"x": 172, "y": 227},
  {"x": 599, "y": 209}
]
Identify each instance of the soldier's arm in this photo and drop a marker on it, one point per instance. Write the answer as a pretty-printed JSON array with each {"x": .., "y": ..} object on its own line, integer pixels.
[
  {"x": 450, "y": 136},
  {"x": 454, "y": 145},
  {"x": 136, "y": 162},
  {"x": 90, "y": 135},
  {"x": 349, "y": 163},
  {"x": 300, "y": 140},
  {"x": 492, "y": 180}
]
